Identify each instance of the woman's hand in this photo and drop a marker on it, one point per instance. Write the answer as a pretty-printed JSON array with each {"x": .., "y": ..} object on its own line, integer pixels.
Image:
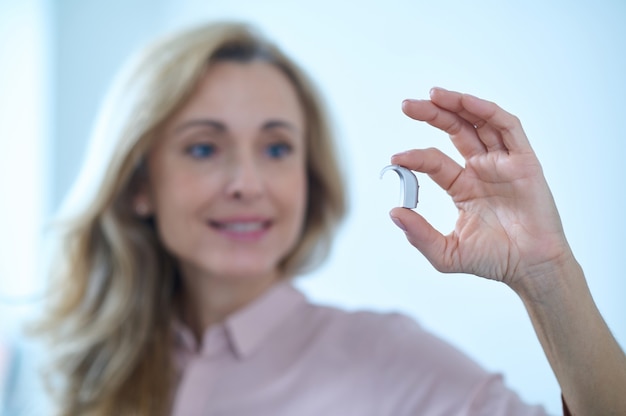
[{"x": 508, "y": 227}]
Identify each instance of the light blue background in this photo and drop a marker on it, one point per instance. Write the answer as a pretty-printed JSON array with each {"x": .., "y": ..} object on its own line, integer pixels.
[{"x": 557, "y": 65}]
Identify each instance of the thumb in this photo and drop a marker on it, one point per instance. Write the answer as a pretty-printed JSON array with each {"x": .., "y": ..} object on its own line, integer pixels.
[{"x": 422, "y": 235}]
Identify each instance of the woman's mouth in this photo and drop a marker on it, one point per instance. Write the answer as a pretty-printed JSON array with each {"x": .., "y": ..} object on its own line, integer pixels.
[{"x": 248, "y": 230}]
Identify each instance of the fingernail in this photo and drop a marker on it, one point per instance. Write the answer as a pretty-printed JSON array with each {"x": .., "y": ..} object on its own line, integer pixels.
[
  {"x": 400, "y": 153},
  {"x": 398, "y": 223},
  {"x": 408, "y": 101},
  {"x": 433, "y": 90}
]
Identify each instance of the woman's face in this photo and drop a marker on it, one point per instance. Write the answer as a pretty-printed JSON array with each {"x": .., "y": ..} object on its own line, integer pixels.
[{"x": 227, "y": 179}]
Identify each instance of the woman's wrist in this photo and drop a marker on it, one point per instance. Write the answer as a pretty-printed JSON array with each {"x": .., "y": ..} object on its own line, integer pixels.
[{"x": 548, "y": 282}]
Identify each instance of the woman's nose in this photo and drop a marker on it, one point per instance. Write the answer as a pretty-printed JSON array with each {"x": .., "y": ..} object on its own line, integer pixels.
[{"x": 245, "y": 179}]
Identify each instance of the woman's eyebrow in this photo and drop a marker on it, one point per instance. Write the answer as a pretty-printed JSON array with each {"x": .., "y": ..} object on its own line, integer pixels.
[
  {"x": 217, "y": 125},
  {"x": 221, "y": 127},
  {"x": 273, "y": 124}
]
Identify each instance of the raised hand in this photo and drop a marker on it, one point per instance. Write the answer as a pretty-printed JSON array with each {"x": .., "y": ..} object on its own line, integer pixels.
[
  {"x": 508, "y": 227},
  {"x": 509, "y": 230}
]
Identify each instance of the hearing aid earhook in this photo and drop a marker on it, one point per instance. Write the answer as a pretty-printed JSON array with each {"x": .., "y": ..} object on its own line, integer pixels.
[{"x": 409, "y": 186}]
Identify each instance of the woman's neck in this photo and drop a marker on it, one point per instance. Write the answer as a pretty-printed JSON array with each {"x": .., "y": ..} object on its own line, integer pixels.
[{"x": 208, "y": 300}]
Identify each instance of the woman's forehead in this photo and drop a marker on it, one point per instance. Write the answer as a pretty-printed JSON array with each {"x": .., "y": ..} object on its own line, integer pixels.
[{"x": 237, "y": 92}]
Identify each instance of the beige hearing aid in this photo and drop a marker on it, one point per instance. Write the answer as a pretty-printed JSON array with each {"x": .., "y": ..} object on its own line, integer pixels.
[{"x": 409, "y": 187}]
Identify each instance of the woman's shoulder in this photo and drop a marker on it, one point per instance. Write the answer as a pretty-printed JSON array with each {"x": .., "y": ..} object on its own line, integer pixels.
[
  {"x": 389, "y": 341},
  {"x": 387, "y": 335},
  {"x": 392, "y": 357},
  {"x": 406, "y": 363},
  {"x": 365, "y": 322}
]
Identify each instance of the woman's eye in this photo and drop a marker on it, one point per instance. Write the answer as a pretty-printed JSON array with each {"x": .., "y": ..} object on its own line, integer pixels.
[
  {"x": 278, "y": 150},
  {"x": 201, "y": 150}
]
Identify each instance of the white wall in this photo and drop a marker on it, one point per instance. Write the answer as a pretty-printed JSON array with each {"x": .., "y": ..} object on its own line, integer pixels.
[
  {"x": 25, "y": 88},
  {"x": 557, "y": 65},
  {"x": 24, "y": 128}
]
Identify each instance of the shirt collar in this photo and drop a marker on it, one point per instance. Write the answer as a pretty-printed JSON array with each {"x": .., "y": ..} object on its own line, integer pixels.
[{"x": 250, "y": 326}]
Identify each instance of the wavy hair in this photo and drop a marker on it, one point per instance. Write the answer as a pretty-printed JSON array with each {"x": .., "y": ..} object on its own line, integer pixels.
[{"x": 113, "y": 284}]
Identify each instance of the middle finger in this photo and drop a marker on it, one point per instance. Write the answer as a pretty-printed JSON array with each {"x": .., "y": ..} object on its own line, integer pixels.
[{"x": 452, "y": 102}]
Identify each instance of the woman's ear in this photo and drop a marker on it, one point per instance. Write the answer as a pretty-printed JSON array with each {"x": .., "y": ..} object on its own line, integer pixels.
[{"x": 142, "y": 203}]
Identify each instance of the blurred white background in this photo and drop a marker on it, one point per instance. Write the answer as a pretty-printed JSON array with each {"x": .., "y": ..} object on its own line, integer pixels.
[{"x": 557, "y": 65}]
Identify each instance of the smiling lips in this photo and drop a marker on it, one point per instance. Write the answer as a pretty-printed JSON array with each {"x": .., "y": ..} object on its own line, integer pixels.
[{"x": 242, "y": 229}]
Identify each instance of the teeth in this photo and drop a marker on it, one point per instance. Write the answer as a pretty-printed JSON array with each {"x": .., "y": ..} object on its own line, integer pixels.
[{"x": 243, "y": 227}]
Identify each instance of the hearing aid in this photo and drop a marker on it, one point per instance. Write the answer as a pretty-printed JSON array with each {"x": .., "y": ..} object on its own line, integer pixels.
[{"x": 409, "y": 187}]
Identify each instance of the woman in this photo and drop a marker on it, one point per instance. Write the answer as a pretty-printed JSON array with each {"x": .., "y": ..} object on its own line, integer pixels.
[{"x": 218, "y": 184}]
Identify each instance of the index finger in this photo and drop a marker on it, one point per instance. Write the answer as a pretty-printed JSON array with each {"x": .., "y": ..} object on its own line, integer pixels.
[
  {"x": 484, "y": 112},
  {"x": 462, "y": 133}
]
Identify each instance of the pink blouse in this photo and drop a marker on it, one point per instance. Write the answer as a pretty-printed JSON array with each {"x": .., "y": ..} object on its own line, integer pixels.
[{"x": 282, "y": 355}]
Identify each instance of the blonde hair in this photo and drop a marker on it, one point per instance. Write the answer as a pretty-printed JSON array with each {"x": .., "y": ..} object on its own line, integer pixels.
[{"x": 110, "y": 316}]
